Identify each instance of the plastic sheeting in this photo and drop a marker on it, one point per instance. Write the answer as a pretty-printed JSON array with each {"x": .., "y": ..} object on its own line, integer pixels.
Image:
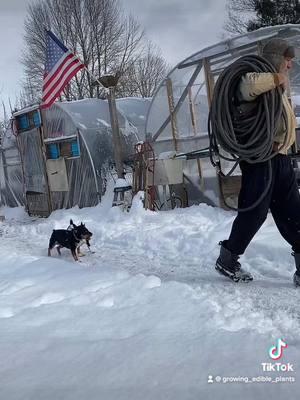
[
  {"x": 181, "y": 75},
  {"x": 89, "y": 121},
  {"x": 135, "y": 109},
  {"x": 193, "y": 105},
  {"x": 77, "y": 133},
  {"x": 183, "y": 96},
  {"x": 11, "y": 179},
  {"x": 234, "y": 44},
  {"x": 31, "y": 150}
]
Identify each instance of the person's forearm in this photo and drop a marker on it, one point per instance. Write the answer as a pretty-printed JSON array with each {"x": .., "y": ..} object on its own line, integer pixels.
[{"x": 254, "y": 84}]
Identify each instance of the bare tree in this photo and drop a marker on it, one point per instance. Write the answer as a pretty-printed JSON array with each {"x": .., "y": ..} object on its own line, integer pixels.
[
  {"x": 98, "y": 31},
  {"x": 144, "y": 75},
  {"x": 2, "y": 124},
  {"x": 4, "y": 121}
]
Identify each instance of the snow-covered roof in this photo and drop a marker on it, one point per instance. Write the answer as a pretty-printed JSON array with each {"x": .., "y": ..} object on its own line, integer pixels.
[
  {"x": 90, "y": 113},
  {"x": 94, "y": 113},
  {"x": 26, "y": 110},
  {"x": 134, "y": 108}
]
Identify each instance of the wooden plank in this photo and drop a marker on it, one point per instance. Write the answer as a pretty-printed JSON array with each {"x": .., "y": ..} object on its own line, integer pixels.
[
  {"x": 172, "y": 113},
  {"x": 209, "y": 80}
]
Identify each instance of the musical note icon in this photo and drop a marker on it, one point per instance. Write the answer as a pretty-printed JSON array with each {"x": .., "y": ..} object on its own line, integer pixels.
[{"x": 275, "y": 352}]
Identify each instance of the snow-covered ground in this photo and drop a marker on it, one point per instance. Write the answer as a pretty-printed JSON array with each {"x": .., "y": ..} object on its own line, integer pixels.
[{"x": 145, "y": 316}]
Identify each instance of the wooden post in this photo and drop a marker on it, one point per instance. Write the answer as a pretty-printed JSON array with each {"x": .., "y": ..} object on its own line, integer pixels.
[
  {"x": 110, "y": 83},
  {"x": 115, "y": 131},
  {"x": 194, "y": 127},
  {"x": 192, "y": 111},
  {"x": 44, "y": 158},
  {"x": 209, "y": 81},
  {"x": 172, "y": 113}
]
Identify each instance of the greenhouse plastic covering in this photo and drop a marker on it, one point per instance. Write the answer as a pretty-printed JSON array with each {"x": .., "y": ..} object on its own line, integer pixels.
[
  {"x": 85, "y": 125},
  {"x": 11, "y": 180},
  {"x": 183, "y": 94}
]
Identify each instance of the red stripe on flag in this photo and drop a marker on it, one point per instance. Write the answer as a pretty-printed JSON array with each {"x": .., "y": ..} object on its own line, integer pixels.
[
  {"x": 62, "y": 86},
  {"x": 58, "y": 70},
  {"x": 61, "y": 78}
]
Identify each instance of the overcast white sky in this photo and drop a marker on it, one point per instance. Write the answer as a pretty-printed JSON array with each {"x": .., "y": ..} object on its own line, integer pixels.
[{"x": 179, "y": 27}]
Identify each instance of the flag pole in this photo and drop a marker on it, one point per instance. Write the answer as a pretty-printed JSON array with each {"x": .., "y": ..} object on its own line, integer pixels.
[{"x": 109, "y": 83}]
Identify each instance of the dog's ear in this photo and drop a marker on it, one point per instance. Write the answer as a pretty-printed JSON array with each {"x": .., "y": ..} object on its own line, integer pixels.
[
  {"x": 72, "y": 223},
  {"x": 82, "y": 224}
]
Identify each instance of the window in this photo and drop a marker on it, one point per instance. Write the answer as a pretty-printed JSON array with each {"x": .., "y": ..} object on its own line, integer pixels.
[
  {"x": 67, "y": 148},
  {"x": 28, "y": 121}
]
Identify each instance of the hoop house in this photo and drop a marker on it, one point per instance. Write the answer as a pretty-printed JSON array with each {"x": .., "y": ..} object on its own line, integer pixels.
[
  {"x": 177, "y": 118},
  {"x": 65, "y": 152}
]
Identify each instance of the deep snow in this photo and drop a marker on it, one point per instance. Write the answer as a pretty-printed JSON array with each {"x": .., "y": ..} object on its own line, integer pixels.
[{"x": 145, "y": 316}]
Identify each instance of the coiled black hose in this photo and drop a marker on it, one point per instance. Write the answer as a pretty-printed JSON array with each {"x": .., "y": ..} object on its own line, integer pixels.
[{"x": 246, "y": 132}]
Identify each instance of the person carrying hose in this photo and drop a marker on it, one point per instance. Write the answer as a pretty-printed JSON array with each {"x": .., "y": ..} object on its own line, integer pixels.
[{"x": 275, "y": 177}]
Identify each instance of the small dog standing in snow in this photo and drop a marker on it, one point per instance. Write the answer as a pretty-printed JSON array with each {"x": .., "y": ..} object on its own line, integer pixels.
[
  {"x": 71, "y": 239},
  {"x": 84, "y": 241}
]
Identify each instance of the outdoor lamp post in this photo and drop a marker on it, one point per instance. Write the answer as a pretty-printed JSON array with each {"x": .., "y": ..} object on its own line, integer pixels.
[{"x": 110, "y": 83}]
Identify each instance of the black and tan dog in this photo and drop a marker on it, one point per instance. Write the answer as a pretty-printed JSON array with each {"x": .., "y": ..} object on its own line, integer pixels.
[
  {"x": 84, "y": 241},
  {"x": 71, "y": 239}
]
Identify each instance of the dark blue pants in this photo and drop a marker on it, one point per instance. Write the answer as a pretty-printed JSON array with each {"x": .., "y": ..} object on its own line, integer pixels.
[{"x": 282, "y": 199}]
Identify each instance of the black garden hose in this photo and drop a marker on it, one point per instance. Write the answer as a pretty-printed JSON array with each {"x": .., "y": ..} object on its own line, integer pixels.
[{"x": 245, "y": 130}]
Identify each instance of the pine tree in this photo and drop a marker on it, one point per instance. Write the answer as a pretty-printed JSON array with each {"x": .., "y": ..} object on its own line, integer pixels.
[
  {"x": 249, "y": 15},
  {"x": 274, "y": 12}
]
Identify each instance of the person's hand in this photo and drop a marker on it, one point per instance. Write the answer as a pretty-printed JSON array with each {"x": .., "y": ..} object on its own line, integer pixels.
[{"x": 282, "y": 80}]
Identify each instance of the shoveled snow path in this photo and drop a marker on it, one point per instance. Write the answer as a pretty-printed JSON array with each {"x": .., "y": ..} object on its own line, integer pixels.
[
  {"x": 151, "y": 274},
  {"x": 179, "y": 245}
]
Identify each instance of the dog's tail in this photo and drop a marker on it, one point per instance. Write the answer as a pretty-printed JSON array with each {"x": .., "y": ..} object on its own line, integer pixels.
[{"x": 51, "y": 243}]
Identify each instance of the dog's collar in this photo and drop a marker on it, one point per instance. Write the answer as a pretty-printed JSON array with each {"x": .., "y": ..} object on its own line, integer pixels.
[{"x": 76, "y": 238}]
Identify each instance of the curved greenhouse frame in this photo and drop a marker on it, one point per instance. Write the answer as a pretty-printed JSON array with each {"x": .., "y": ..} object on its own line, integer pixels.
[{"x": 178, "y": 114}]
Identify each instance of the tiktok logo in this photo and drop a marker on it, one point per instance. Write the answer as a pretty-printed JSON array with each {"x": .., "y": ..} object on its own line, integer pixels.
[{"x": 275, "y": 352}]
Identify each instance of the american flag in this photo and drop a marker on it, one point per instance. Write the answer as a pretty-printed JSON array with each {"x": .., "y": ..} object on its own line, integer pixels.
[{"x": 60, "y": 67}]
